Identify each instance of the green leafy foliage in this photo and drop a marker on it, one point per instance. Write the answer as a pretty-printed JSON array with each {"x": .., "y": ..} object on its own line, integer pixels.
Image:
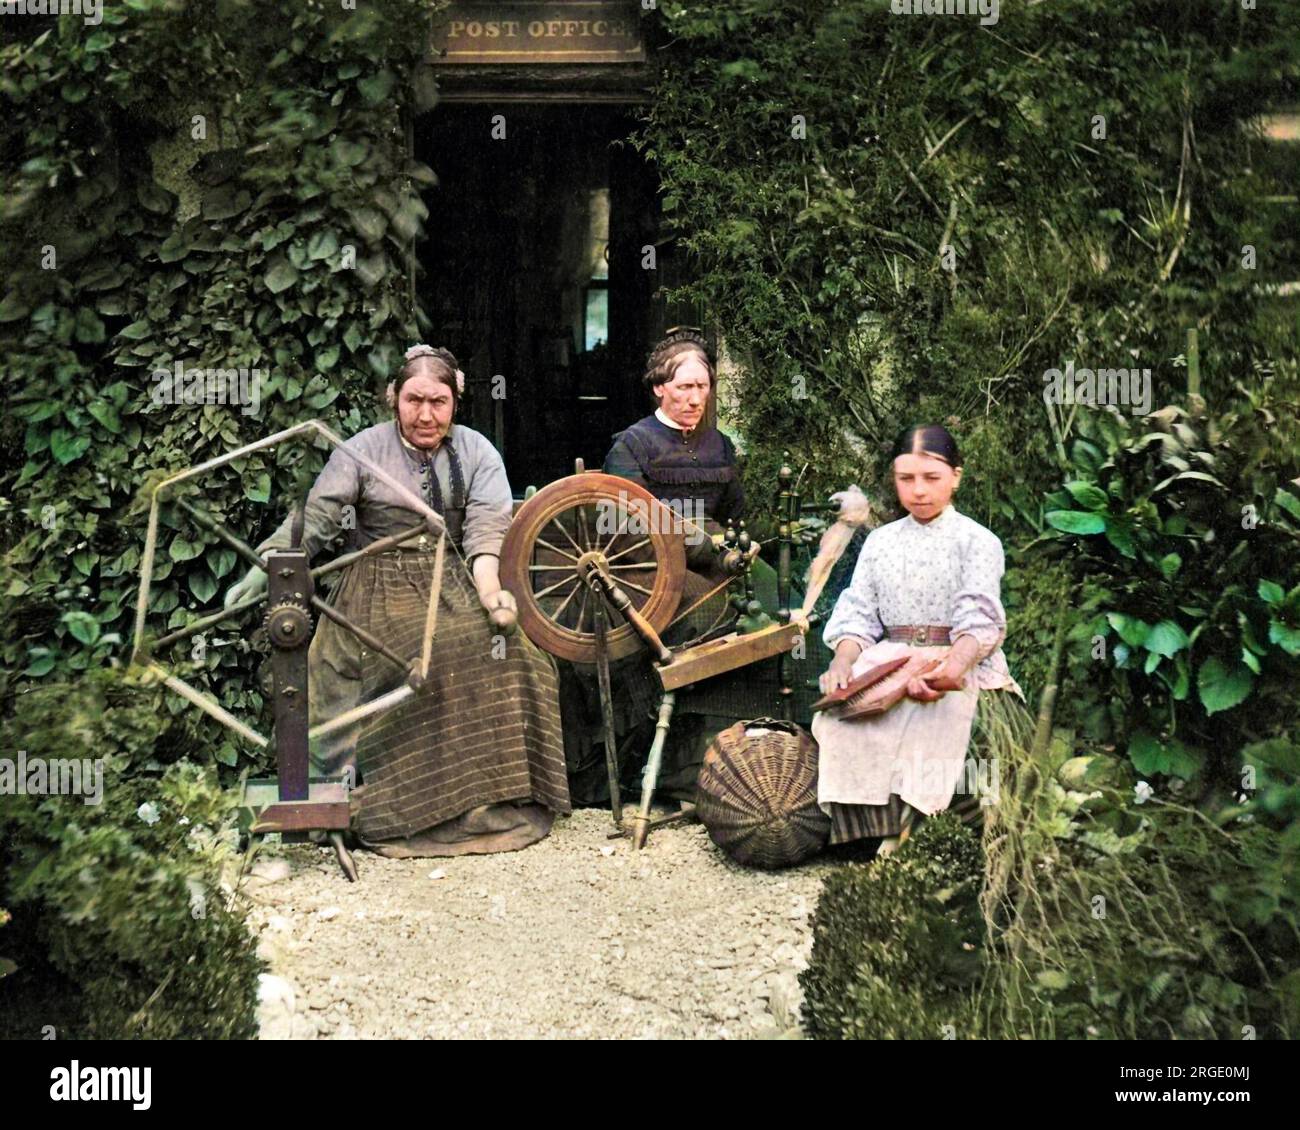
[
  {"x": 121, "y": 920},
  {"x": 818, "y": 158},
  {"x": 1194, "y": 607},
  {"x": 896, "y": 942},
  {"x": 265, "y": 225},
  {"x": 1146, "y": 919}
]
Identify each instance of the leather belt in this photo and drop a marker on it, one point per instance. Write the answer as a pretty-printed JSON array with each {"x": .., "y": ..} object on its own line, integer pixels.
[{"x": 921, "y": 635}]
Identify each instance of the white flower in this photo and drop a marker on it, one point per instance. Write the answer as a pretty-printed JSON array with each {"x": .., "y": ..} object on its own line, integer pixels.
[
  {"x": 183, "y": 821},
  {"x": 1143, "y": 792},
  {"x": 148, "y": 812}
]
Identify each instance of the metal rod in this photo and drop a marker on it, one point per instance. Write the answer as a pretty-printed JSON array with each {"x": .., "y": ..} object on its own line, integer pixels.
[
  {"x": 650, "y": 777},
  {"x": 375, "y": 547},
  {"x": 348, "y": 717},
  {"x": 371, "y": 641},
  {"x": 199, "y": 699}
]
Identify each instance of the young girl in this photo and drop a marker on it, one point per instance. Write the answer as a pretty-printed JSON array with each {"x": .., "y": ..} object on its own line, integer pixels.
[{"x": 928, "y": 582}]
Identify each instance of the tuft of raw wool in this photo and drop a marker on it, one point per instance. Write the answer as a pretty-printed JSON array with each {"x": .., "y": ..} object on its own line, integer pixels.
[{"x": 855, "y": 511}]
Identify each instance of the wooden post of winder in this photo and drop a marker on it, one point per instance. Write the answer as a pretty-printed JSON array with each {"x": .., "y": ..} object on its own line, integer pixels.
[{"x": 787, "y": 512}]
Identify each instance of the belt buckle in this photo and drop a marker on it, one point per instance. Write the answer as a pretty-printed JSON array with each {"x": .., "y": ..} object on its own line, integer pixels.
[
  {"x": 423, "y": 543},
  {"x": 920, "y": 636}
]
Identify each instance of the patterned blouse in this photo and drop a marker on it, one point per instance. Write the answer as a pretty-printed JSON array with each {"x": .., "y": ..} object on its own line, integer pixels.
[{"x": 945, "y": 571}]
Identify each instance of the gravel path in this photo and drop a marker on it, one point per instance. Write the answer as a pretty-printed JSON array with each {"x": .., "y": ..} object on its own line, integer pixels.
[{"x": 576, "y": 936}]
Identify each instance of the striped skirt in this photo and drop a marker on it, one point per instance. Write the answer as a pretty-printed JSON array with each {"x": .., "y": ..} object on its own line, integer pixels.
[{"x": 473, "y": 762}]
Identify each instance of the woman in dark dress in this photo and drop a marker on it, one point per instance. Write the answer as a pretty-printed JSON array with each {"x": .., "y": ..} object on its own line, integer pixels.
[
  {"x": 683, "y": 464},
  {"x": 691, "y": 468}
]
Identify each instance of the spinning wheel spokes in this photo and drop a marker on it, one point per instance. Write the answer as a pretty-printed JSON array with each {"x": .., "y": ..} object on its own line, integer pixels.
[
  {"x": 580, "y": 548},
  {"x": 556, "y": 549},
  {"x": 614, "y": 526},
  {"x": 624, "y": 552}
]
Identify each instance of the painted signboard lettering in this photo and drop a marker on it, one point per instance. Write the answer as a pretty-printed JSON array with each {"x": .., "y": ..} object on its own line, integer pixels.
[{"x": 555, "y": 31}]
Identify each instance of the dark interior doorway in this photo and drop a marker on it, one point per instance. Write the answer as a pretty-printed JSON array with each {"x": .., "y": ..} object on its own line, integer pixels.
[{"x": 533, "y": 275}]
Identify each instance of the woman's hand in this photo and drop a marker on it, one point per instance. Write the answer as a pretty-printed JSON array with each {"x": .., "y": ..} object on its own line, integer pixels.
[
  {"x": 502, "y": 610},
  {"x": 838, "y": 674},
  {"x": 500, "y": 605},
  {"x": 253, "y": 584}
]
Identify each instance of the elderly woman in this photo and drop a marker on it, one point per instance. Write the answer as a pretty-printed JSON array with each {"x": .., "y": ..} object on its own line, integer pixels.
[
  {"x": 927, "y": 584},
  {"x": 687, "y": 467},
  {"x": 692, "y": 470},
  {"x": 474, "y": 762}
]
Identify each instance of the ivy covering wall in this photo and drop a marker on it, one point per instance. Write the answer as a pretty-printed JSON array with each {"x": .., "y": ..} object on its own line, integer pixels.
[
  {"x": 207, "y": 187},
  {"x": 905, "y": 218},
  {"x": 901, "y": 219},
  {"x": 220, "y": 185}
]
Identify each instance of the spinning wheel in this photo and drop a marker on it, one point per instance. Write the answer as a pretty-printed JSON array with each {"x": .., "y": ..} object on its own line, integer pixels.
[
  {"x": 592, "y": 545},
  {"x": 575, "y": 529}
]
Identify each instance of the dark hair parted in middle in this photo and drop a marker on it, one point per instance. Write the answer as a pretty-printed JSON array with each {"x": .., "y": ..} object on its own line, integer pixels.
[
  {"x": 439, "y": 363},
  {"x": 928, "y": 439},
  {"x": 680, "y": 343}
]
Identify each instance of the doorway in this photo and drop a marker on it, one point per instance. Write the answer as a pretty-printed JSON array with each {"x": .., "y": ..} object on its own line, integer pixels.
[{"x": 534, "y": 276}]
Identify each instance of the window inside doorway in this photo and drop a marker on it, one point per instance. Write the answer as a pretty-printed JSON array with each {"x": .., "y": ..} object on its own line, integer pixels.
[
  {"x": 532, "y": 269},
  {"x": 594, "y": 330}
]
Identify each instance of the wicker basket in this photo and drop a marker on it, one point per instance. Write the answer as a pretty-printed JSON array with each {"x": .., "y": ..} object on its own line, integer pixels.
[{"x": 757, "y": 794}]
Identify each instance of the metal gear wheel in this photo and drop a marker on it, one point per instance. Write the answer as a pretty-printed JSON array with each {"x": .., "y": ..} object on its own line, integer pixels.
[{"x": 288, "y": 624}]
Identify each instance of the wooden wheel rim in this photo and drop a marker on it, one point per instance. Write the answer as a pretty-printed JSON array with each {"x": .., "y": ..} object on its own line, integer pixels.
[{"x": 551, "y": 502}]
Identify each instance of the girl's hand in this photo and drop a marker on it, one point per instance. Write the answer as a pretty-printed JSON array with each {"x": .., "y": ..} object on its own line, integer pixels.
[
  {"x": 920, "y": 690},
  {"x": 837, "y": 675}
]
